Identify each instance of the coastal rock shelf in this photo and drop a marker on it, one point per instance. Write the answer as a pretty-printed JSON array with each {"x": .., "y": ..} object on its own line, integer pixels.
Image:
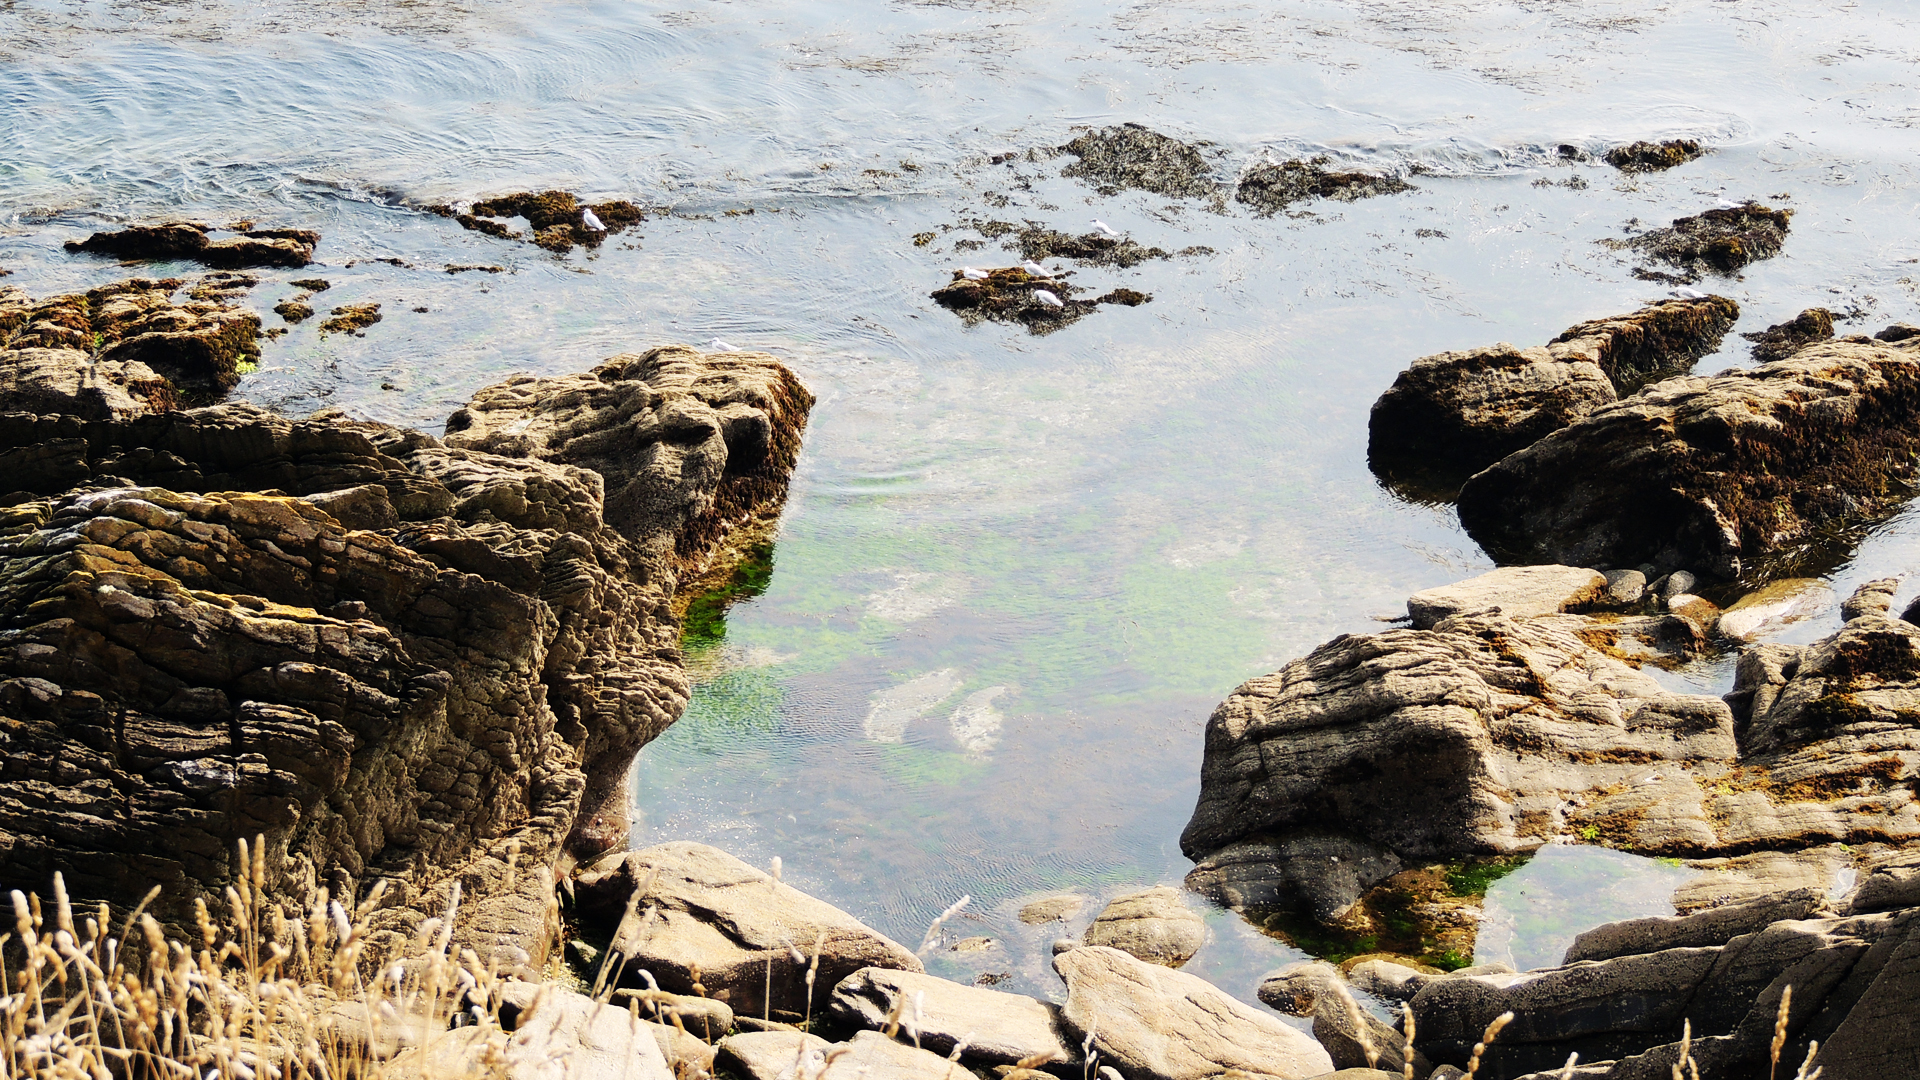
[
  {"x": 124, "y": 349},
  {"x": 396, "y": 656}
]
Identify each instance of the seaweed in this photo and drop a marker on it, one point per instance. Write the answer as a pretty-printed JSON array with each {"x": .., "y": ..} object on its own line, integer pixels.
[
  {"x": 351, "y": 318},
  {"x": 1132, "y": 156},
  {"x": 1653, "y": 157},
  {"x": 1781, "y": 340},
  {"x": 1271, "y": 188},
  {"x": 1721, "y": 241}
]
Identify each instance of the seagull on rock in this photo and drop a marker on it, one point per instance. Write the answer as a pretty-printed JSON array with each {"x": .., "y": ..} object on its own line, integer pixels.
[
  {"x": 1104, "y": 227},
  {"x": 592, "y": 221},
  {"x": 1685, "y": 293},
  {"x": 1034, "y": 269},
  {"x": 1047, "y": 298},
  {"x": 720, "y": 346},
  {"x": 971, "y": 274}
]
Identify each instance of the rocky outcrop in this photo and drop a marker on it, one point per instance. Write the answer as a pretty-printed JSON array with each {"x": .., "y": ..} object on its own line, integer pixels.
[
  {"x": 1490, "y": 735},
  {"x": 1011, "y": 294},
  {"x": 1155, "y": 1024},
  {"x": 991, "y": 1027},
  {"x": 1452, "y": 414},
  {"x": 1519, "y": 592},
  {"x": 557, "y": 220},
  {"x": 1718, "y": 241},
  {"x": 188, "y": 240},
  {"x": 687, "y": 913},
  {"x": 1781, "y": 340},
  {"x": 1712, "y": 473},
  {"x": 393, "y": 657},
  {"x": 545, "y": 1027},
  {"x": 1646, "y": 156},
  {"x": 1351, "y": 1035},
  {"x": 121, "y": 350}
]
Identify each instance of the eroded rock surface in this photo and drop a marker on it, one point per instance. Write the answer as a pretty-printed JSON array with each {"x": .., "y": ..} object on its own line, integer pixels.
[
  {"x": 999, "y": 1028},
  {"x": 395, "y": 658},
  {"x": 1350, "y": 1034},
  {"x": 189, "y": 240},
  {"x": 1712, "y": 473},
  {"x": 121, "y": 350},
  {"x": 1272, "y": 187},
  {"x": 1154, "y": 925},
  {"x": 682, "y": 905}
]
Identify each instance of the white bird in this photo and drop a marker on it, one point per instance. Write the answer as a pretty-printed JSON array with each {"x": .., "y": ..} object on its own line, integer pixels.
[
  {"x": 1034, "y": 269},
  {"x": 971, "y": 274},
  {"x": 720, "y": 346},
  {"x": 1104, "y": 227},
  {"x": 592, "y": 221},
  {"x": 1047, "y": 298},
  {"x": 1685, "y": 293}
]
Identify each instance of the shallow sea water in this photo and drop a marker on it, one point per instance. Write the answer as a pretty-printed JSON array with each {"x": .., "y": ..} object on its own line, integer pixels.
[{"x": 1016, "y": 572}]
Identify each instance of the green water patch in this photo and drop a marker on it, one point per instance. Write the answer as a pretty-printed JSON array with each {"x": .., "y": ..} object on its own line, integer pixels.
[
  {"x": 705, "y": 623},
  {"x": 1429, "y": 915}
]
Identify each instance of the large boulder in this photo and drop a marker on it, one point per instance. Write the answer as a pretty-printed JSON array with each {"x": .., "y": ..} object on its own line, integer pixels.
[
  {"x": 547, "y": 1033},
  {"x": 684, "y": 907},
  {"x": 998, "y": 1028},
  {"x": 1712, "y": 473},
  {"x": 1155, "y": 925},
  {"x": 399, "y": 660},
  {"x": 1517, "y": 591},
  {"x": 1153, "y": 1023},
  {"x": 1454, "y": 413}
]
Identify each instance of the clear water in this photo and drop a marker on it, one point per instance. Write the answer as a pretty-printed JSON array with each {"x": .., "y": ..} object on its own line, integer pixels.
[{"x": 1016, "y": 573}]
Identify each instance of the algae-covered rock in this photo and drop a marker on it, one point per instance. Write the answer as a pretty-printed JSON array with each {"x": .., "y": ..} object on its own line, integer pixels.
[
  {"x": 1646, "y": 156},
  {"x": 1272, "y": 187},
  {"x": 558, "y": 219},
  {"x": 1131, "y": 156},
  {"x": 189, "y": 240},
  {"x": 1719, "y": 241},
  {"x": 196, "y": 347},
  {"x": 1011, "y": 294},
  {"x": 349, "y": 318},
  {"x": 1781, "y": 340}
]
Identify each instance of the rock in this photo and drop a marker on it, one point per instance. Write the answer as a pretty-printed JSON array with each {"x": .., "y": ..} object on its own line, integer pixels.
[
  {"x": 1010, "y": 294},
  {"x": 1714, "y": 472},
  {"x": 706, "y": 908},
  {"x": 1680, "y": 581},
  {"x": 1653, "y": 157},
  {"x": 707, "y": 1018},
  {"x": 184, "y": 664},
  {"x": 1389, "y": 979},
  {"x": 972, "y": 944},
  {"x": 1516, "y": 591},
  {"x": 1624, "y": 588},
  {"x": 1452, "y": 414},
  {"x": 682, "y": 1050},
  {"x": 1000, "y": 1028},
  {"x": 1272, "y": 187},
  {"x": 139, "y": 350},
  {"x": 1881, "y": 1035},
  {"x": 1871, "y": 600},
  {"x": 293, "y": 311},
  {"x": 1782, "y": 340},
  {"x": 1359, "y": 1074},
  {"x": 188, "y": 240},
  {"x": 772, "y": 1055},
  {"x": 1154, "y": 925},
  {"x": 1350, "y": 1034},
  {"x": 1775, "y": 606},
  {"x": 1153, "y": 1023},
  {"x": 875, "y": 1057},
  {"x": 558, "y": 218},
  {"x": 1721, "y": 241},
  {"x": 597, "y": 1042},
  {"x": 1318, "y": 873},
  {"x": 351, "y": 317},
  {"x": 1052, "y": 908},
  {"x": 1889, "y": 884},
  {"x": 1131, "y": 156},
  {"x": 1713, "y": 926},
  {"x": 1699, "y": 612}
]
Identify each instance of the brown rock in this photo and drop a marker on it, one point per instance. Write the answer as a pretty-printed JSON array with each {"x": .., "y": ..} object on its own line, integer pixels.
[
  {"x": 134, "y": 336},
  {"x": 188, "y": 240},
  {"x": 1653, "y": 157},
  {"x": 1782, "y": 340},
  {"x": 1517, "y": 591},
  {"x": 1154, "y": 925}
]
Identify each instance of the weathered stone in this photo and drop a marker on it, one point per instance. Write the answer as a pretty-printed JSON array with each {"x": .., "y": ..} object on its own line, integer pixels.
[
  {"x": 1153, "y": 1022},
  {"x": 688, "y": 905},
  {"x": 1624, "y": 587},
  {"x": 1154, "y": 925},
  {"x": 1713, "y": 926},
  {"x": 1350, "y": 1034},
  {"x": 188, "y": 240},
  {"x": 703, "y": 1016},
  {"x": 1052, "y": 909},
  {"x": 69, "y": 381},
  {"x": 1712, "y": 472},
  {"x": 1515, "y": 591},
  {"x": 120, "y": 350},
  {"x": 1389, "y": 979},
  {"x": 1699, "y": 612},
  {"x": 1782, "y": 340},
  {"x": 1663, "y": 338},
  {"x": 773, "y": 1055},
  {"x": 1881, "y": 1033},
  {"x": 1646, "y": 156},
  {"x": 1319, "y": 873},
  {"x": 1889, "y": 883},
  {"x": 1774, "y": 606},
  {"x": 874, "y": 1056},
  {"x": 1721, "y": 241},
  {"x": 1270, "y": 187},
  {"x": 595, "y": 1042},
  {"x": 1000, "y": 1028}
]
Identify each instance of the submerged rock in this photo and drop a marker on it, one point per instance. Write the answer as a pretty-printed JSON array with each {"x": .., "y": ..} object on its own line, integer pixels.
[
  {"x": 1715, "y": 473},
  {"x": 1156, "y": 1024},
  {"x": 1653, "y": 157},
  {"x": 1781, "y": 340},
  {"x": 685, "y": 907},
  {"x": 1452, "y": 414},
  {"x": 349, "y": 318},
  {"x": 379, "y": 662},
  {"x": 1131, "y": 156},
  {"x": 1271, "y": 188},
  {"x": 188, "y": 240},
  {"x": 1720, "y": 241},
  {"x": 129, "y": 340}
]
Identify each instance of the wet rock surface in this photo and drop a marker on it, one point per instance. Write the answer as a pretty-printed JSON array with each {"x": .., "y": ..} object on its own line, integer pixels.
[
  {"x": 557, "y": 220},
  {"x": 1113, "y": 159},
  {"x": 1150, "y": 1022},
  {"x": 1011, "y": 294},
  {"x": 348, "y": 318},
  {"x": 189, "y": 240},
  {"x": 393, "y": 657},
  {"x": 1646, "y": 156},
  {"x": 127, "y": 347},
  {"x": 1718, "y": 241},
  {"x": 682, "y": 907},
  {"x": 1714, "y": 473},
  {"x": 1452, "y": 414},
  {"x": 1781, "y": 340},
  {"x": 1270, "y": 188}
]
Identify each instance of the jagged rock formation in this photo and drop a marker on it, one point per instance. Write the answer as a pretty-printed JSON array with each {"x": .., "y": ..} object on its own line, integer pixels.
[
  {"x": 395, "y": 656},
  {"x": 123, "y": 349},
  {"x": 1454, "y": 413},
  {"x": 1710, "y": 473}
]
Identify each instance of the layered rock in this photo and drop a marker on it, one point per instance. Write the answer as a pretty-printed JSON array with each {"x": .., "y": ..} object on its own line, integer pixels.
[
  {"x": 189, "y": 240},
  {"x": 1712, "y": 473},
  {"x": 121, "y": 350},
  {"x": 399, "y": 659},
  {"x": 1451, "y": 414}
]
